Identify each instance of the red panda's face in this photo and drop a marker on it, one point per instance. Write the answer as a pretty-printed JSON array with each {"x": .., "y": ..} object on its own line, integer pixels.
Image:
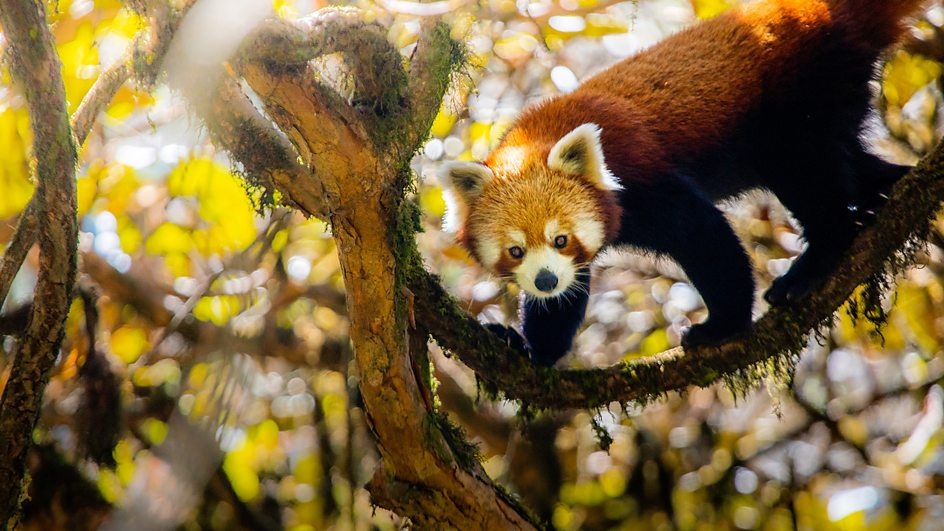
[{"x": 534, "y": 219}]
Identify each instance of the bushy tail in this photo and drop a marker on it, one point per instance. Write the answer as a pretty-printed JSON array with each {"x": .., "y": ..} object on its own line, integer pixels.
[{"x": 880, "y": 23}]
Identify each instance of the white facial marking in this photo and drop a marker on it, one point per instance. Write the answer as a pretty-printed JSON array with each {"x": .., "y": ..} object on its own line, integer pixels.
[
  {"x": 551, "y": 230},
  {"x": 489, "y": 251},
  {"x": 545, "y": 257},
  {"x": 516, "y": 237},
  {"x": 590, "y": 231}
]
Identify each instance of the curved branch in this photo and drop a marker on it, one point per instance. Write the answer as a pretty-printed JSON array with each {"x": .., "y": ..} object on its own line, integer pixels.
[
  {"x": 374, "y": 62},
  {"x": 427, "y": 473},
  {"x": 36, "y": 66},
  {"x": 435, "y": 57},
  {"x": 24, "y": 236},
  {"x": 884, "y": 246}
]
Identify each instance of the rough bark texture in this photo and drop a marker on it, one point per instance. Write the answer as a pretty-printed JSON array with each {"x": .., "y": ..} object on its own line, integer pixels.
[
  {"x": 36, "y": 68},
  {"x": 357, "y": 157}
]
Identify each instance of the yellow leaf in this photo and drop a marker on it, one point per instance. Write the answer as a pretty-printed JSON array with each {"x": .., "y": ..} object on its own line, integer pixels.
[
  {"x": 86, "y": 188},
  {"x": 80, "y": 64},
  {"x": 914, "y": 304},
  {"x": 904, "y": 74},
  {"x": 710, "y": 8},
  {"x": 15, "y": 181},
  {"x": 126, "y": 100},
  {"x": 223, "y": 205},
  {"x": 128, "y": 343},
  {"x": 285, "y": 9},
  {"x": 431, "y": 201},
  {"x": 655, "y": 342},
  {"x": 516, "y": 47},
  {"x": 129, "y": 234},
  {"x": 241, "y": 475},
  {"x": 218, "y": 309},
  {"x": 443, "y": 122},
  {"x": 164, "y": 371},
  {"x": 168, "y": 238},
  {"x": 154, "y": 430}
]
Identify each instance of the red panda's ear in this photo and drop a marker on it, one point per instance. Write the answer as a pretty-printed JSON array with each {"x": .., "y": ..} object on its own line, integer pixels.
[
  {"x": 464, "y": 179},
  {"x": 580, "y": 152},
  {"x": 462, "y": 183}
]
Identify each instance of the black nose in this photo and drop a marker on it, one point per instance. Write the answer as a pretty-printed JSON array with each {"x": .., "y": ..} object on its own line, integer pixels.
[{"x": 545, "y": 281}]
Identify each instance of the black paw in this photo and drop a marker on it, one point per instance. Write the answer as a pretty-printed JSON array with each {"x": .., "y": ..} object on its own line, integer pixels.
[
  {"x": 510, "y": 336},
  {"x": 709, "y": 333},
  {"x": 545, "y": 357},
  {"x": 789, "y": 288}
]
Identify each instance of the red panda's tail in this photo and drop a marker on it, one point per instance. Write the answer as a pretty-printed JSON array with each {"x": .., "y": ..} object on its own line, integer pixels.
[{"x": 880, "y": 23}]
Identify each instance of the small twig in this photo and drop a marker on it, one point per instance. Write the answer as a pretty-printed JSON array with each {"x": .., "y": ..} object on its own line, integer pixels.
[
  {"x": 252, "y": 253},
  {"x": 23, "y": 239}
]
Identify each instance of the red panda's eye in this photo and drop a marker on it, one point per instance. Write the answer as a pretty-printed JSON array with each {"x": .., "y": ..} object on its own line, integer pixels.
[
  {"x": 560, "y": 242},
  {"x": 516, "y": 252}
]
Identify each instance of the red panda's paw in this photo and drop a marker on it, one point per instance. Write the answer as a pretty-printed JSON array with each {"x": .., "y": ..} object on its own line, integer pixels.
[
  {"x": 790, "y": 288},
  {"x": 712, "y": 333},
  {"x": 510, "y": 336}
]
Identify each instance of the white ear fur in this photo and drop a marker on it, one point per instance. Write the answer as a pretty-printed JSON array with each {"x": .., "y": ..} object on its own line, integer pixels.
[
  {"x": 462, "y": 184},
  {"x": 580, "y": 152}
]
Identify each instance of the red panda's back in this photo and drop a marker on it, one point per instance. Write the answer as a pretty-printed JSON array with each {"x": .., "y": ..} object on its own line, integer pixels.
[{"x": 695, "y": 87}]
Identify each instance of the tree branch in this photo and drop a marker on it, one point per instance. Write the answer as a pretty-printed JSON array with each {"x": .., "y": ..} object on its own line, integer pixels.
[
  {"x": 881, "y": 249},
  {"x": 434, "y": 59},
  {"x": 35, "y": 66},
  {"x": 24, "y": 236},
  {"x": 428, "y": 472},
  {"x": 374, "y": 62}
]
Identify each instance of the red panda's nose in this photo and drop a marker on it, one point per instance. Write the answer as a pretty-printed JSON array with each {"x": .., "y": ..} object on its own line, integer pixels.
[{"x": 545, "y": 281}]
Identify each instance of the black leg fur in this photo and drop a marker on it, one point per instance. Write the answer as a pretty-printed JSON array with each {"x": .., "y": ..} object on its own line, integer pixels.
[
  {"x": 550, "y": 324},
  {"x": 687, "y": 227},
  {"x": 845, "y": 201}
]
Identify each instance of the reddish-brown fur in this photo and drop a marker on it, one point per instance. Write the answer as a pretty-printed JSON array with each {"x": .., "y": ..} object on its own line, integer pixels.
[
  {"x": 670, "y": 97},
  {"x": 770, "y": 95}
]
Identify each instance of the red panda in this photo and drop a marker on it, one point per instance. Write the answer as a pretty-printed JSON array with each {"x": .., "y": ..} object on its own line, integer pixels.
[{"x": 771, "y": 95}]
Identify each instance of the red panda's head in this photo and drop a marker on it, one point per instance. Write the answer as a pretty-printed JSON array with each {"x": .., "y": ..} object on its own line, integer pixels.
[{"x": 533, "y": 214}]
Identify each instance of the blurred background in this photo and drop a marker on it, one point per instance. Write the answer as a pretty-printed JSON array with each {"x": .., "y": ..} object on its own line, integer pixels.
[{"x": 217, "y": 386}]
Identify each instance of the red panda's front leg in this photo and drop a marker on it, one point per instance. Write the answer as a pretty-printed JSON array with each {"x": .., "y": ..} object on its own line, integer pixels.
[
  {"x": 673, "y": 217},
  {"x": 549, "y": 324}
]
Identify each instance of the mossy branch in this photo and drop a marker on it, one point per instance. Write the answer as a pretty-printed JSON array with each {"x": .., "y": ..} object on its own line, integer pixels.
[
  {"x": 36, "y": 68},
  {"x": 883, "y": 249},
  {"x": 358, "y": 160},
  {"x": 379, "y": 81}
]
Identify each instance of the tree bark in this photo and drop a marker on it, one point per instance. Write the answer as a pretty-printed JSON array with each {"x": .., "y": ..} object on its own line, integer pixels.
[
  {"x": 357, "y": 159},
  {"x": 36, "y": 68}
]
